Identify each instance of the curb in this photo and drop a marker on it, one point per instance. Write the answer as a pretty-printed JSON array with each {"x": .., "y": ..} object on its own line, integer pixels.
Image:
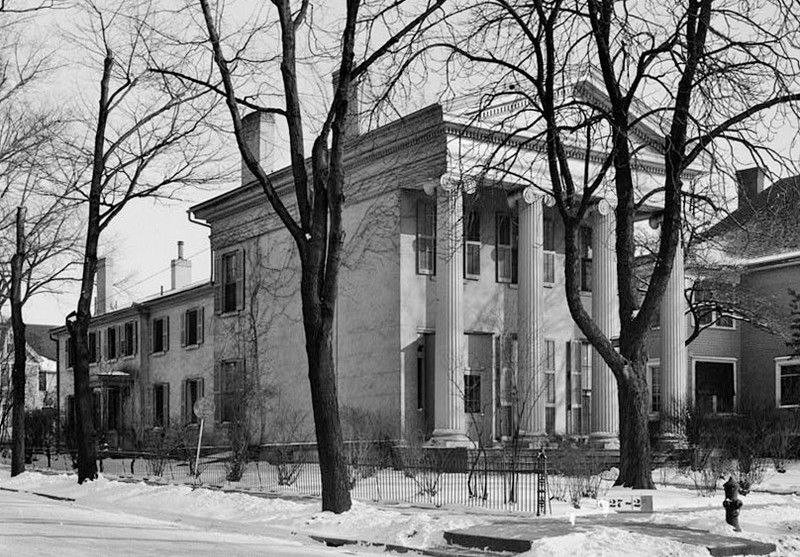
[
  {"x": 45, "y": 495},
  {"x": 332, "y": 541}
]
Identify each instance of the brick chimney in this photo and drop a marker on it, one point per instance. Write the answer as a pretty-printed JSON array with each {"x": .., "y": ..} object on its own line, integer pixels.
[
  {"x": 180, "y": 269},
  {"x": 751, "y": 183},
  {"x": 103, "y": 279},
  {"x": 259, "y": 135},
  {"x": 353, "y": 126}
]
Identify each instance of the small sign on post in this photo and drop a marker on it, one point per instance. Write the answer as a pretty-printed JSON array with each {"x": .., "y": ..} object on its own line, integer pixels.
[
  {"x": 636, "y": 503},
  {"x": 201, "y": 409}
]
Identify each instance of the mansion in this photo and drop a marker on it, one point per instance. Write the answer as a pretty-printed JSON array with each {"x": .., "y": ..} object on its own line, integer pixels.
[{"x": 451, "y": 323}]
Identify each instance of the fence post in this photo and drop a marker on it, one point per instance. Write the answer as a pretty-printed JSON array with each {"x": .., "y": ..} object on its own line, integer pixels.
[{"x": 541, "y": 483}]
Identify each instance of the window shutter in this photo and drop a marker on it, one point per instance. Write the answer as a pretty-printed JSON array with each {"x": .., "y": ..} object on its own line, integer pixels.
[
  {"x": 166, "y": 333},
  {"x": 201, "y": 315},
  {"x": 135, "y": 337},
  {"x": 149, "y": 403},
  {"x": 218, "y": 392},
  {"x": 151, "y": 337},
  {"x": 184, "y": 387},
  {"x": 217, "y": 283},
  {"x": 201, "y": 389},
  {"x": 166, "y": 405},
  {"x": 105, "y": 345},
  {"x": 240, "y": 279},
  {"x": 183, "y": 328},
  {"x": 120, "y": 339}
]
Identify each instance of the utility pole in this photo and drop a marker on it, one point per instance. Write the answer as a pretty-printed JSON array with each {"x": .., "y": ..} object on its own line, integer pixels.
[{"x": 18, "y": 326}]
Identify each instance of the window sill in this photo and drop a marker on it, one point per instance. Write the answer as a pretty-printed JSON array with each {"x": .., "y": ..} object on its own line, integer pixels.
[
  {"x": 192, "y": 346},
  {"x": 159, "y": 353},
  {"x": 549, "y": 284},
  {"x": 787, "y": 406}
]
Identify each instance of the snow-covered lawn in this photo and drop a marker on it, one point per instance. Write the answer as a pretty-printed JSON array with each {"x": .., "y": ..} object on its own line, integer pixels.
[{"x": 771, "y": 513}]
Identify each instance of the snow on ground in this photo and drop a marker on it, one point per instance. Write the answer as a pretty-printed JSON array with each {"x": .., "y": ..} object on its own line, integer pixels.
[{"x": 771, "y": 513}]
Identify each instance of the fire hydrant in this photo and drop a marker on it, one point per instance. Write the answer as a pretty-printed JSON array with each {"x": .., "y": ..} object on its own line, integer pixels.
[{"x": 732, "y": 503}]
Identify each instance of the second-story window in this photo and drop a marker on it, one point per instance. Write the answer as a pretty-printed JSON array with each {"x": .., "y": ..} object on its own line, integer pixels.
[
  {"x": 129, "y": 339},
  {"x": 506, "y": 239},
  {"x": 69, "y": 350},
  {"x": 94, "y": 347},
  {"x": 229, "y": 281},
  {"x": 549, "y": 245},
  {"x": 426, "y": 237},
  {"x": 472, "y": 245},
  {"x": 111, "y": 343},
  {"x": 160, "y": 335},
  {"x": 585, "y": 250},
  {"x": 192, "y": 329}
]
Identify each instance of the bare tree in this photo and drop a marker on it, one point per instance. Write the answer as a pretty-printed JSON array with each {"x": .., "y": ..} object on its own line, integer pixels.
[
  {"x": 146, "y": 142},
  {"x": 367, "y": 34},
  {"x": 712, "y": 73}
]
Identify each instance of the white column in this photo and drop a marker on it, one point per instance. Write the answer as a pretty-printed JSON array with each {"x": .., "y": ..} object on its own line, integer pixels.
[
  {"x": 605, "y": 405},
  {"x": 449, "y": 423},
  {"x": 674, "y": 364},
  {"x": 530, "y": 308}
]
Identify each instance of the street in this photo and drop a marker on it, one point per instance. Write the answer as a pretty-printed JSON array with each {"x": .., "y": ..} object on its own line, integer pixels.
[{"x": 33, "y": 525}]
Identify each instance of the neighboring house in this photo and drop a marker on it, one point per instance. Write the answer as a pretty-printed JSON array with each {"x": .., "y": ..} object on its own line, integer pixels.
[
  {"x": 451, "y": 295},
  {"x": 41, "y": 377},
  {"x": 733, "y": 359},
  {"x": 149, "y": 362}
]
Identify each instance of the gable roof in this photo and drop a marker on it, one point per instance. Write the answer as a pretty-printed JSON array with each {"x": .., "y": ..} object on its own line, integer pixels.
[
  {"x": 37, "y": 338},
  {"x": 767, "y": 224}
]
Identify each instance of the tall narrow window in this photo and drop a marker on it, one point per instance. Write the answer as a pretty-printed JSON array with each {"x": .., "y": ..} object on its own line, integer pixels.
[
  {"x": 426, "y": 237},
  {"x": 192, "y": 392},
  {"x": 550, "y": 386},
  {"x": 230, "y": 282},
  {"x": 113, "y": 410},
  {"x": 130, "y": 339},
  {"x": 472, "y": 394},
  {"x": 472, "y": 245},
  {"x": 43, "y": 381},
  {"x": 586, "y": 258},
  {"x": 161, "y": 405},
  {"x": 192, "y": 330},
  {"x": 506, "y": 239},
  {"x": 654, "y": 383},
  {"x": 160, "y": 335},
  {"x": 94, "y": 351},
  {"x": 788, "y": 382},
  {"x": 549, "y": 245},
  {"x": 70, "y": 351},
  {"x": 111, "y": 343},
  {"x": 228, "y": 386}
]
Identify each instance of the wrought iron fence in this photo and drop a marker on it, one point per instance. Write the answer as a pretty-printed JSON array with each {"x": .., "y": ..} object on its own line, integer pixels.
[{"x": 502, "y": 481}]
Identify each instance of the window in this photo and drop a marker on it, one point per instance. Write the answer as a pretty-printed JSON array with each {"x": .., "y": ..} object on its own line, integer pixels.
[
  {"x": 506, "y": 240},
  {"x": 229, "y": 385},
  {"x": 585, "y": 251},
  {"x": 113, "y": 409},
  {"x": 472, "y": 394},
  {"x": 69, "y": 350},
  {"x": 426, "y": 237},
  {"x": 579, "y": 370},
  {"x": 160, "y": 335},
  {"x": 549, "y": 245},
  {"x": 129, "y": 339},
  {"x": 229, "y": 282},
  {"x": 714, "y": 386},
  {"x": 161, "y": 405},
  {"x": 787, "y": 382},
  {"x": 192, "y": 392},
  {"x": 94, "y": 348},
  {"x": 550, "y": 386},
  {"x": 111, "y": 343},
  {"x": 707, "y": 315},
  {"x": 43, "y": 381},
  {"x": 472, "y": 245},
  {"x": 654, "y": 385},
  {"x": 192, "y": 327}
]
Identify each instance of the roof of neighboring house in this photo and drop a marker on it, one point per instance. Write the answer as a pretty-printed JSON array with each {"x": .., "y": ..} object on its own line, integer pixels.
[
  {"x": 38, "y": 338},
  {"x": 767, "y": 224}
]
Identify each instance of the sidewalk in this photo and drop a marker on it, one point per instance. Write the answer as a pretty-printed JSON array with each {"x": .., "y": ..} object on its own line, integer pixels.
[{"x": 517, "y": 536}]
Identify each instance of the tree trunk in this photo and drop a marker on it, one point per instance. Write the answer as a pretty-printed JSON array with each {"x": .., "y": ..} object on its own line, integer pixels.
[
  {"x": 18, "y": 375},
  {"x": 634, "y": 437},
  {"x": 318, "y": 321},
  {"x": 78, "y": 328}
]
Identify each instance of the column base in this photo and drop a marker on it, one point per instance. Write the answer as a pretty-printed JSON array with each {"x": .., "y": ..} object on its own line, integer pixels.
[
  {"x": 669, "y": 440},
  {"x": 449, "y": 438},
  {"x": 604, "y": 440}
]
